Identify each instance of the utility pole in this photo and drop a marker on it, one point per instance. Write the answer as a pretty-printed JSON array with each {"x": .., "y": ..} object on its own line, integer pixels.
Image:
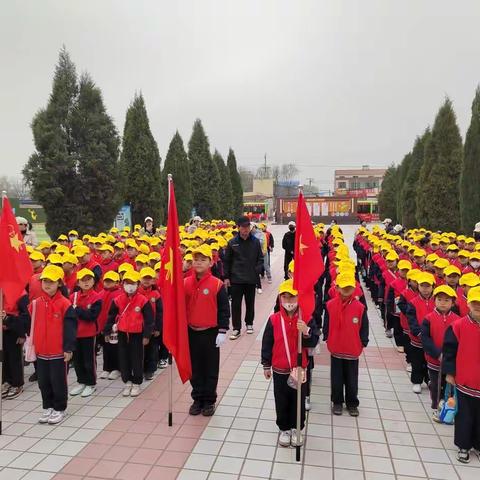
[
  {"x": 265, "y": 165},
  {"x": 310, "y": 180}
]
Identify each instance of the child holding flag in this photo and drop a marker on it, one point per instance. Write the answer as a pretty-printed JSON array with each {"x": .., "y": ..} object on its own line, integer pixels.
[{"x": 279, "y": 352}]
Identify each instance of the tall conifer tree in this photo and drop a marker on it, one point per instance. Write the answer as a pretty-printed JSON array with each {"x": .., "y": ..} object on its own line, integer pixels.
[
  {"x": 237, "y": 190},
  {"x": 470, "y": 176},
  {"x": 176, "y": 163},
  {"x": 140, "y": 165},
  {"x": 226, "y": 197},
  {"x": 438, "y": 191}
]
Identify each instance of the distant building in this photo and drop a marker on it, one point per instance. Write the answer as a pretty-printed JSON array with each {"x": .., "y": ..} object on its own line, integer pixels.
[{"x": 363, "y": 182}]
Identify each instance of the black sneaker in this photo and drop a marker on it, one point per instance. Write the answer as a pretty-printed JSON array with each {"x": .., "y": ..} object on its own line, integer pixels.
[
  {"x": 208, "y": 410},
  {"x": 463, "y": 456},
  {"x": 353, "y": 411},
  {"x": 337, "y": 409},
  {"x": 195, "y": 408},
  {"x": 149, "y": 376},
  {"x": 33, "y": 377}
]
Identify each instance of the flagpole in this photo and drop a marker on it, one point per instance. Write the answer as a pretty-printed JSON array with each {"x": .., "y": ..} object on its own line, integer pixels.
[
  {"x": 4, "y": 194},
  {"x": 170, "y": 360},
  {"x": 299, "y": 376}
]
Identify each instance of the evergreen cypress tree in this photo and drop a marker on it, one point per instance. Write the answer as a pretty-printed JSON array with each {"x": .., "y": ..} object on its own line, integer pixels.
[
  {"x": 387, "y": 198},
  {"x": 140, "y": 165},
  {"x": 237, "y": 190},
  {"x": 438, "y": 205},
  {"x": 97, "y": 149},
  {"x": 176, "y": 163},
  {"x": 204, "y": 173},
  {"x": 408, "y": 193},
  {"x": 402, "y": 172},
  {"x": 226, "y": 202},
  {"x": 51, "y": 169},
  {"x": 470, "y": 175}
]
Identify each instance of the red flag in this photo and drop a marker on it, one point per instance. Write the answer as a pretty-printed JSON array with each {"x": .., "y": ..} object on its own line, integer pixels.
[
  {"x": 308, "y": 260},
  {"x": 16, "y": 267},
  {"x": 175, "y": 329}
]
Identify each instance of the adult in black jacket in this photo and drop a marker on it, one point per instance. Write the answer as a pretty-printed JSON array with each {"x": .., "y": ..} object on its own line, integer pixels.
[
  {"x": 243, "y": 263},
  {"x": 288, "y": 244}
]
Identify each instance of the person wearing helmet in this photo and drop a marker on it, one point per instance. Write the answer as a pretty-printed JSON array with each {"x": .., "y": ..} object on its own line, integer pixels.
[{"x": 27, "y": 232}]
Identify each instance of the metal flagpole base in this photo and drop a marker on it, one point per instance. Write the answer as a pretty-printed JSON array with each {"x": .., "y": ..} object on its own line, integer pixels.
[{"x": 170, "y": 393}]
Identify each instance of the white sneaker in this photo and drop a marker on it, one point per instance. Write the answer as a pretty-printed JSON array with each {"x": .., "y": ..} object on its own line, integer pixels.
[
  {"x": 235, "y": 334},
  {"x": 56, "y": 417},
  {"x": 308, "y": 406},
  {"x": 388, "y": 333},
  {"x": 45, "y": 415},
  {"x": 113, "y": 375},
  {"x": 127, "y": 389},
  {"x": 400, "y": 350},
  {"x": 409, "y": 368},
  {"x": 417, "y": 388},
  {"x": 269, "y": 280},
  {"x": 135, "y": 391},
  {"x": 297, "y": 440},
  {"x": 285, "y": 438},
  {"x": 249, "y": 329},
  {"x": 104, "y": 375},
  {"x": 259, "y": 291},
  {"x": 88, "y": 391},
  {"x": 77, "y": 390}
]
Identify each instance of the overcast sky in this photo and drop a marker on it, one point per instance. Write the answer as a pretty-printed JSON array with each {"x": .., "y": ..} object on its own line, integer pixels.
[{"x": 322, "y": 83}]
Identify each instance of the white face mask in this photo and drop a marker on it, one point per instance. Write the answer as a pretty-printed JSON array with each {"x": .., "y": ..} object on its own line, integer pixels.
[
  {"x": 475, "y": 264},
  {"x": 72, "y": 238},
  {"x": 130, "y": 289},
  {"x": 289, "y": 307}
]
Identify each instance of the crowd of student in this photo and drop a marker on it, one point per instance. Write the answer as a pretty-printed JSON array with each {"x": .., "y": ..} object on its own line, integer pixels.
[
  {"x": 427, "y": 288},
  {"x": 105, "y": 291}
]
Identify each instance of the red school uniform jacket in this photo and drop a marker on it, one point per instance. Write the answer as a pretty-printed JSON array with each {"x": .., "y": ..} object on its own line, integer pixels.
[
  {"x": 417, "y": 310},
  {"x": 461, "y": 355},
  {"x": 345, "y": 328},
  {"x": 433, "y": 331},
  {"x": 87, "y": 307},
  {"x": 54, "y": 326},
  {"x": 70, "y": 281},
  {"x": 274, "y": 354},
  {"x": 107, "y": 297},
  {"x": 35, "y": 287}
]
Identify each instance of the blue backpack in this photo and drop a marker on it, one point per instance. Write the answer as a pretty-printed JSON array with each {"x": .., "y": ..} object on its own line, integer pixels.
[{"x": 446, "y": 412}]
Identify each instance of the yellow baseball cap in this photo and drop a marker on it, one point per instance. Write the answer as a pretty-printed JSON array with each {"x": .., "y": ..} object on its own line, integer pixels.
[
  {"x": 70, "y": 258},
  {"x": 85, "y": 272},
  {"x": 446, "y": 290},
  {"x": 188, "y": 257},
  {"x": 158, "y": 266},
  {"x": 413, "y": 274},
  {"x": 54, "y": 258},
  {"x": 120, "y": 245},
  {"x": 36, "y": 255},
  {"x": 131, "y": 275},
  {"x": 473, "y": 295},
  {"x": 125, "y": 267},
  {"x": 464, "y": 253},
  {"x": 391, "y": 256},
  {"x": 147, "y": 272},
  {"x": 142, "y": 258},
  {"x": 112, "y": 275},
  {"x": 154, "y": 256},
  {"x": 62, "y": 238},
  {"x": 287, "y": 287},
  {"x": 433, "y": 257},
  {"x": 291, "y": 266},
  {"x": 106, "y": 247},
  {"x": 469, "y": 280},
  {"x": 204, "y": 250},
  {"x": 441, "y": 263},
  {"x": 73, "y": 232},
  {"x": 426, "y": 277},
  {"x": 344, "y": 280},
  {"x": 404, "y": 265},
  {"x": 53, "y": 273},
  {"x": 452, "y": 270}
]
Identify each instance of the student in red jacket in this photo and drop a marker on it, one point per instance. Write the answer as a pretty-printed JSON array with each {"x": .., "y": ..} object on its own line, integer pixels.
[
  {"x": 419, "y": 307},
  {"x": 345, "y": 329},
  {"x": 53, "y": 330},
  {"x": 111, "y": 290},
  {"x": 208, "y": 315},
  {"x": 69, "y": 265},
  {"x": 149, "y": 288},
  {"x": 279, "y": 354},
  {"x": 461, "y": 358},
  {"x": 433, "y": 330},
  {"x": 131, "y": 314},
  {"x": 87, "y": 305},
  {"x": 15, "y": 319}
]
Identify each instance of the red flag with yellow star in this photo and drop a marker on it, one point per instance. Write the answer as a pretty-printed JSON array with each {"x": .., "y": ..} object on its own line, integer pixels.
[
  {"x": 175, "y": 329},
  {"x": 16, "y": 268},
  {"x": 308, "y": 260}
]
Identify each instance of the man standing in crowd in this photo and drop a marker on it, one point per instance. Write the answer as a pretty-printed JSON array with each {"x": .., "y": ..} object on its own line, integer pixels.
[
  {"x": 288, "y": 244},
  {"x": 243, "y": 263}
]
